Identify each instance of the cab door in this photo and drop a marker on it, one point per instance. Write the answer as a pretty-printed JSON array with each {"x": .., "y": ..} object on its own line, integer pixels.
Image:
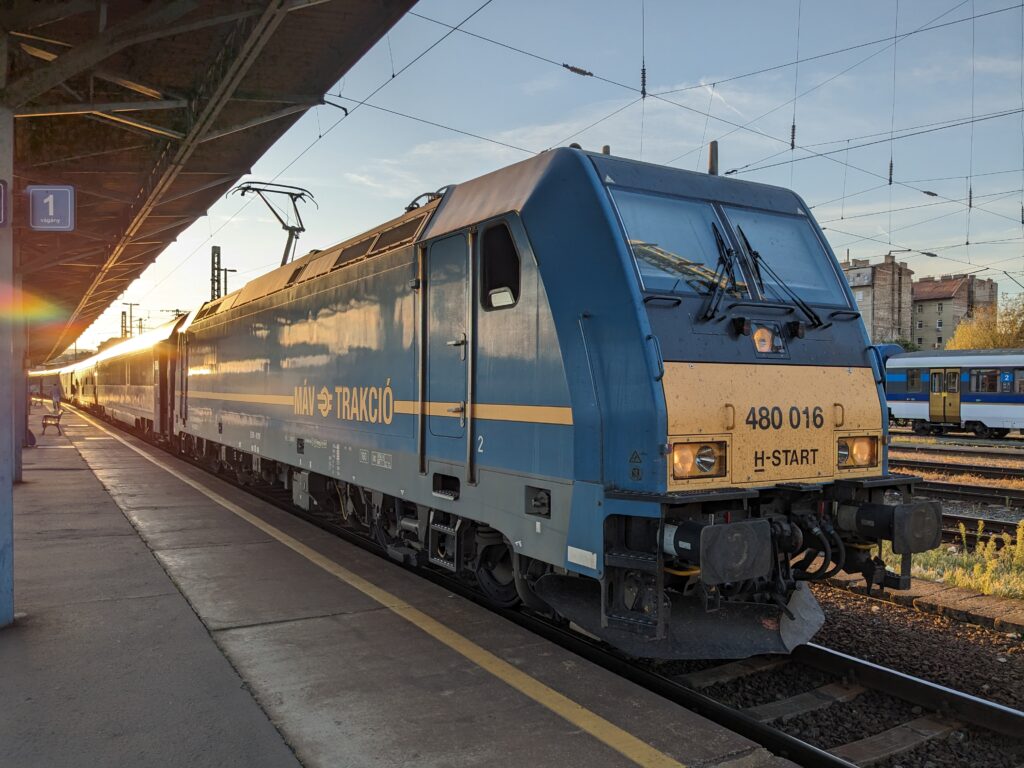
[
  {"x": 936, "y": 397},
  {"x": 447, "y": 346},
  {"x": 951, "y": 399}
]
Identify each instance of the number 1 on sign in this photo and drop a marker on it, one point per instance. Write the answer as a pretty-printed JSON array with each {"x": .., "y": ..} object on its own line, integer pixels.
[{"x": 49, "y": 204}]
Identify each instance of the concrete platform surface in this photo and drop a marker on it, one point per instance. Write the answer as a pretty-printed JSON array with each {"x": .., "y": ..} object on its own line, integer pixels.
[
  {"x": 110, "y": 666},
  {"x": 354, "y": 660}
]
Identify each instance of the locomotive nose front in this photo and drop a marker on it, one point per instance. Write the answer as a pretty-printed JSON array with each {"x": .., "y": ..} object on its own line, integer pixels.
[{"x": 758, "y": 425}]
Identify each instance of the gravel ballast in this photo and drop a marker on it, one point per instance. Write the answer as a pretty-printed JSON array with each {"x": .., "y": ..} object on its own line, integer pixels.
[{"x": 979, "y": 661}]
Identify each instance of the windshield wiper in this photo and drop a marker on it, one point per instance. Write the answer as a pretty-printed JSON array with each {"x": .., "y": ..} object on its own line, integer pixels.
[
  {"x": 761, "y": 264},
  {"x": 726, "y": 269}
]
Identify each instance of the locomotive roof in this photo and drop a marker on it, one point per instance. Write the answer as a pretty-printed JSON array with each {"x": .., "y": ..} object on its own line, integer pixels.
[
  {"x": 399, "y": 232},
  {"x": 510, "y": 188},
  {"x": 505, "y": 190}
]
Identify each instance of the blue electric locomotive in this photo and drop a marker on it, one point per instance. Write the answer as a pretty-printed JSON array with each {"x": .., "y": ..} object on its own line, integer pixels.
[{"x": 637, "y": 397}]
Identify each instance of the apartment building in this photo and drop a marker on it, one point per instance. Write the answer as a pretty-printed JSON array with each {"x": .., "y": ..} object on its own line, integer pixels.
[
  {"x": 941, "y": 303},
  {"x": 883, "y": 294}
]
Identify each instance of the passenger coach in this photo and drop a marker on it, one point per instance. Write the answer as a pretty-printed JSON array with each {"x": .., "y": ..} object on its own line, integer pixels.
[{"x": 979, "y": 391}]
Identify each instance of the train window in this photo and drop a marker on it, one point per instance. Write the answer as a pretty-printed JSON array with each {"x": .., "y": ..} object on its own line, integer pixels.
[
  {"x": 499, "y": 269},
  {"x": 403, "y": 233},
  {"x": 672, "y": 241},
  {"x": 913, "y": 380},
  {"x": 952, "y": 381},
  {"x": 352, "y": 252},
  {"x": 789, "y": 245},
  {"x": 984, "y": 380},
  {"x": 140, "y": 372},
  {"x": 1018, "y": 376},
  {"x": 208, "y": 310},
  {"x": 937, "y": 382}
]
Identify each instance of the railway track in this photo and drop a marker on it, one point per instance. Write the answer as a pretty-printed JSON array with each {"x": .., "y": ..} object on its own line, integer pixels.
[
  {"x": 1014, "y": 440},
  {"x": 954, "y": 468},
  {"x": 957, "y": 449},
  {"x": 942, "y": 709},
  {"x": 976, "y": 494}
]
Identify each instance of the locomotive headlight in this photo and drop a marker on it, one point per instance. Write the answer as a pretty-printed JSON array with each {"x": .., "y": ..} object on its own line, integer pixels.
[
  {"x": 856, "y": 452},
  {"x": 690, "y": 460},
  {"x": 764, "y": 340}
]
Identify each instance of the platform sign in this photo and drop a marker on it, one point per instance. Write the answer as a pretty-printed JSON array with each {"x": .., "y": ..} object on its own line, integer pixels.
[
  {"x": 51, "y": 208},
  {"x": 3, "y": 203}
]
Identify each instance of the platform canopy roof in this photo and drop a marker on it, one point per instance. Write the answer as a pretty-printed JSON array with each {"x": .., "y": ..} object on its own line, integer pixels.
[{"x": 152, "y": 110}]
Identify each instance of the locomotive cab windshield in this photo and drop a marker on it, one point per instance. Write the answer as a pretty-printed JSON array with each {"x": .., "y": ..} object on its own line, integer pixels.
[{"x": 685, "y": 246}]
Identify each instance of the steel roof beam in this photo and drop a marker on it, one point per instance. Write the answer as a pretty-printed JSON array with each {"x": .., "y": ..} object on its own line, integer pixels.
[
  {"x": 97, "y": 153},
  {"x": 218, "y": 182},
  {"x": 137, "y": 126},
  {"x": 27, "y": 14},
  {"x": 234, "y": 60},
  {"x": 54, "y": 110},
  {"x": 82, "y": 57},
  {"x": 252, "y": 123}
]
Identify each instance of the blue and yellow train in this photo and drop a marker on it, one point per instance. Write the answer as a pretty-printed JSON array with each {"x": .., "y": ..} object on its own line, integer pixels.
[
  {"x": 970, "y": 390},
  {"x": 635, "y": 397}
]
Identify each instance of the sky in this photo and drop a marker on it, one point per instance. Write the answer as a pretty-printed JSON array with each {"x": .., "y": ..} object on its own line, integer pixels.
[{"x": 947, "y": 112}]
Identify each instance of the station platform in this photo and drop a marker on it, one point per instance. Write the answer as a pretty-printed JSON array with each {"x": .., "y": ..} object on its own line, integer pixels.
[{"x": 172, "y": 619}]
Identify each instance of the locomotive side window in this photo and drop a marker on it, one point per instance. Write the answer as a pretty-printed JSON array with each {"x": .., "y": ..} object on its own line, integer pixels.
[
  {"x": 499, "y": 269},
  {"x": 913, "y": 380}
]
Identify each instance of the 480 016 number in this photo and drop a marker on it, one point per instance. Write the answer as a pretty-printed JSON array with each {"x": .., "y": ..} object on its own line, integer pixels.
[{"x": 773, "y": 417}]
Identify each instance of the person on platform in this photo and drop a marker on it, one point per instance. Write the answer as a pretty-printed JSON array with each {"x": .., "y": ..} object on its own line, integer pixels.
[{"x": 56, "y": 394}]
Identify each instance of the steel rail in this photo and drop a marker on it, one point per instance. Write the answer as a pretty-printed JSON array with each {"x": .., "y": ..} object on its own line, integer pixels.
[
  {"x": 962, "y": 449},
  {"x": 950, "y": 467},
  {"x": 963, "y": 706},
  {"x": 979, "y": 494},
  {"x": 951, "y": 523}
]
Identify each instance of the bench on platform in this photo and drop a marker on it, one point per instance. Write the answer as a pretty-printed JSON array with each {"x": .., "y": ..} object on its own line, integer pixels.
[{"x": 52, "y": 420}]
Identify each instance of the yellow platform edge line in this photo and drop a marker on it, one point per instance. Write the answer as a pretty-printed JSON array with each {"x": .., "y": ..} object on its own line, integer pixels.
[{"x": 608, "y": 733}]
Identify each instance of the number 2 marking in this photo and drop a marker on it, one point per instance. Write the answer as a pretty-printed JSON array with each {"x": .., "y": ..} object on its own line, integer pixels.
[{"x": 479, "y": 443}]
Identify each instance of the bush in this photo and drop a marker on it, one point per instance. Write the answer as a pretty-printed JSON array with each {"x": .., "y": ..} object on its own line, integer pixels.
[{"x": 988, "y": 568}]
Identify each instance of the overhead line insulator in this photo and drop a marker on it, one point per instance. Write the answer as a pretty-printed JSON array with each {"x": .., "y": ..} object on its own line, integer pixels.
[{"x": 578, "y": 70}]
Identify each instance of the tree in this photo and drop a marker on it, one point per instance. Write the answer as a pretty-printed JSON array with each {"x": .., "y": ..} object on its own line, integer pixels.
[{"x": 992, "y": 328}]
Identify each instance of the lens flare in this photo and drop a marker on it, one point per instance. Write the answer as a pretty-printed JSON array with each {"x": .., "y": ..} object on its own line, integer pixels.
[{"x": 28, "y": 307}]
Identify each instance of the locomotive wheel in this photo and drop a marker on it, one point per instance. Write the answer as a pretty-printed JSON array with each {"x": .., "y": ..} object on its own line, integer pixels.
[{"x": 496, "y": 577}]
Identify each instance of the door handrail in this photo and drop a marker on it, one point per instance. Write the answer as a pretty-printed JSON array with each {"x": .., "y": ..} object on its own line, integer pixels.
[
  {"x": 421, "y": 377},
  {"x": 470, "y": 350}
]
